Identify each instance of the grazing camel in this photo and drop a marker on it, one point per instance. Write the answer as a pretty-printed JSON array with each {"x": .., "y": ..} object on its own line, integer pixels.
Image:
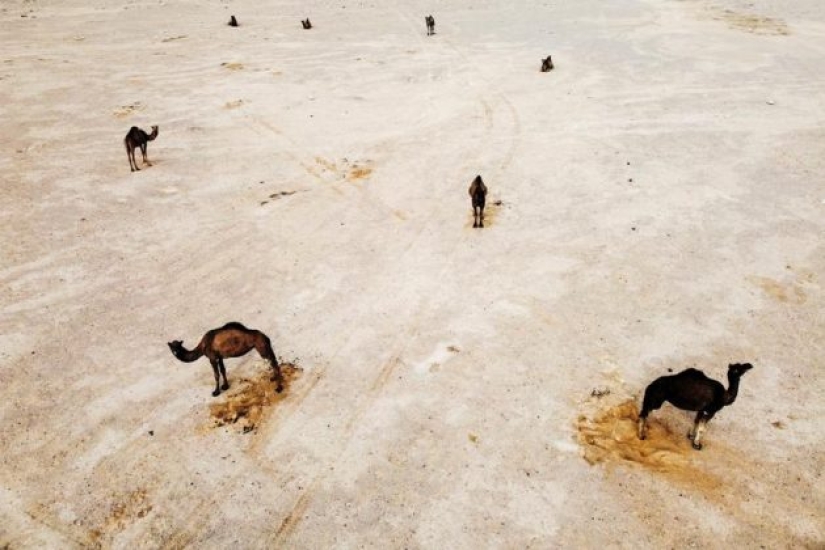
[
  {"x": 546, "y": 64},
  {"x": 430, "y": 21},
  {"x": 233, "y": 22},
  {"x": 231, "y": 340},
  {"x": 138, "y": 138},
  {"x": 691, "y": 390},
  {"x": 478, "y": 195},
  {"x": 306, "y": 23}
]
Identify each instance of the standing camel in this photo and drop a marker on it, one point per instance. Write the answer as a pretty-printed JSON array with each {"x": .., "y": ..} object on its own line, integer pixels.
[
  {"x": 430, "y": 21},
  {"x": 138, "y": 138},
  {"x": 691, "y": 390},
  {"x": 478, "y": 195},
  {"x": 231, "y": 340}
]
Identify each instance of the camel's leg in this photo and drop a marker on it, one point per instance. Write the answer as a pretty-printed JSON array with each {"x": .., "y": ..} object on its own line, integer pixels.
[
  {"x": 699, "y": 430},
  {"x": 475, "y": 217},
  {"x": 223, "y": 373},
  {"x": 702, "y": 420},
  {"x": 653, "y": 400},
  {"x": 216, "y": 370},
  {"x": 130, "y": 152},
  {"x": 692, "y": 432},
  {"x": 481, "y": 217},
  {"x": 145, "y": 158}
]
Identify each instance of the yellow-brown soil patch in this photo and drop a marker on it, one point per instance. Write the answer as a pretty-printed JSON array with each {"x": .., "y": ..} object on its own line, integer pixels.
[
  {"x": 782, "y": 292},
  {"x": 610, "y": 437},
  {"x": 752, "y": 23},
  {"x": 249, "y": 400}
]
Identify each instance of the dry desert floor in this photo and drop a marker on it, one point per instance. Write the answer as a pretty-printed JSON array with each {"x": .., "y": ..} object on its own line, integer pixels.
[{"x": 656, "y": 202}]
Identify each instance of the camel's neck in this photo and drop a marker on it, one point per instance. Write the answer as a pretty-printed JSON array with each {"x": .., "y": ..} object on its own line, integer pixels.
[
  {"x": 733, "y": 389},
  {"x": 187, "y": 356},
  {"x": 152, "y": 136}
]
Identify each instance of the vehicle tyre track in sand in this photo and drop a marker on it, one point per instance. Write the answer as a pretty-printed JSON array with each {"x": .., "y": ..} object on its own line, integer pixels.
[
  {"x": 196, "y": 517},
  {"x": 281, "y": 414},
  {"x": 376, "y": 385},
  {"x": 514, "y": 130},
  {"x": 373, "y": 390}
]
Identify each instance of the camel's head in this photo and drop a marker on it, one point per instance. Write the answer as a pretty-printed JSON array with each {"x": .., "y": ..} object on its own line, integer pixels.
[
  {"x": 738, "y": 369},
  {"x": 176, "y": 346}
]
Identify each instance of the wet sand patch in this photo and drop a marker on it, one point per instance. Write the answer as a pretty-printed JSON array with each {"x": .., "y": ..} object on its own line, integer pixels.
[
  {"x": 359, "y": 172},
  {"x": 752, "y": 23},
  {"x": 123, "y": 510},
  {"x": 610, "y": 437},
  {"x": 250, "y": 400},
  {"x": 346, "y": 169},
  {"x": 125, "y": 111},
  {"x": 782, "y": 292}
]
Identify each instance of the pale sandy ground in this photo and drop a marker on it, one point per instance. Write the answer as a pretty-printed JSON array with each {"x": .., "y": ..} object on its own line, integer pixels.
[{"x": 445, "y": 369}]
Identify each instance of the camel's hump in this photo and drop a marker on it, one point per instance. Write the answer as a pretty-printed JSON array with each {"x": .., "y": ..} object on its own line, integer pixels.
[
  {"x": 233, "y": 325},
  {"x": 692, "y": 373}
]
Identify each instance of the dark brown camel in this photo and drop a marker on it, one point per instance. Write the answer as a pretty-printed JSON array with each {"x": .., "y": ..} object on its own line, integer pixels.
[
  {"x": 430, "y": 21},
  {"x": 691, "y": 390},
  {"x": 231, "y": 340},
  {"x": 138, "y": 138},
  {"x": 233, "y": 22},
  {"x": 478, "y": 195},
  {"x": 306, "y": 23},
  {"x": 546, "y": 64}
]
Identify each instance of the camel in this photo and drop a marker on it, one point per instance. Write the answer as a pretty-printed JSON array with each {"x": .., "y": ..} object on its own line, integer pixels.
[
  {"x": 478, "y": 194},
  {"x": 430, "y": 21},
  {"x": 138, "y": 138},
  {"x": 233, "y": 22},
  {"x": 231, "y": 340},
  {"x": 306, "y": 23},
  {"x": 691, "y": 390},
  {"x": 546, "y": 64}
]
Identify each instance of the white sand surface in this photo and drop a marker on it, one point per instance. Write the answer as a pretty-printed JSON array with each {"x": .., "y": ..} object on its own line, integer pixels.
[{"x": 656, "y": 202}]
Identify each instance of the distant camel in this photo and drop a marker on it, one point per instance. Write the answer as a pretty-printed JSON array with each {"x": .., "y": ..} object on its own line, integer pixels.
[
  {"x": 478, "y": 194},
  {"x": 546, "y": 64},
  {"x": 138, "y": 138},
  {"x": 691, "y": 390},
  {"x": 430, "y": 21},
  {"x": 233, "y": 22},
  {"x": 306, "y": 23},
  {"x": 231, "y": 340}
]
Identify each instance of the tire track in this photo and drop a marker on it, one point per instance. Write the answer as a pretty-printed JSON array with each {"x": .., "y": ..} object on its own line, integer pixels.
[
  {"x": 375, "y": 388},
  {"x": 281, "y": 414}
]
